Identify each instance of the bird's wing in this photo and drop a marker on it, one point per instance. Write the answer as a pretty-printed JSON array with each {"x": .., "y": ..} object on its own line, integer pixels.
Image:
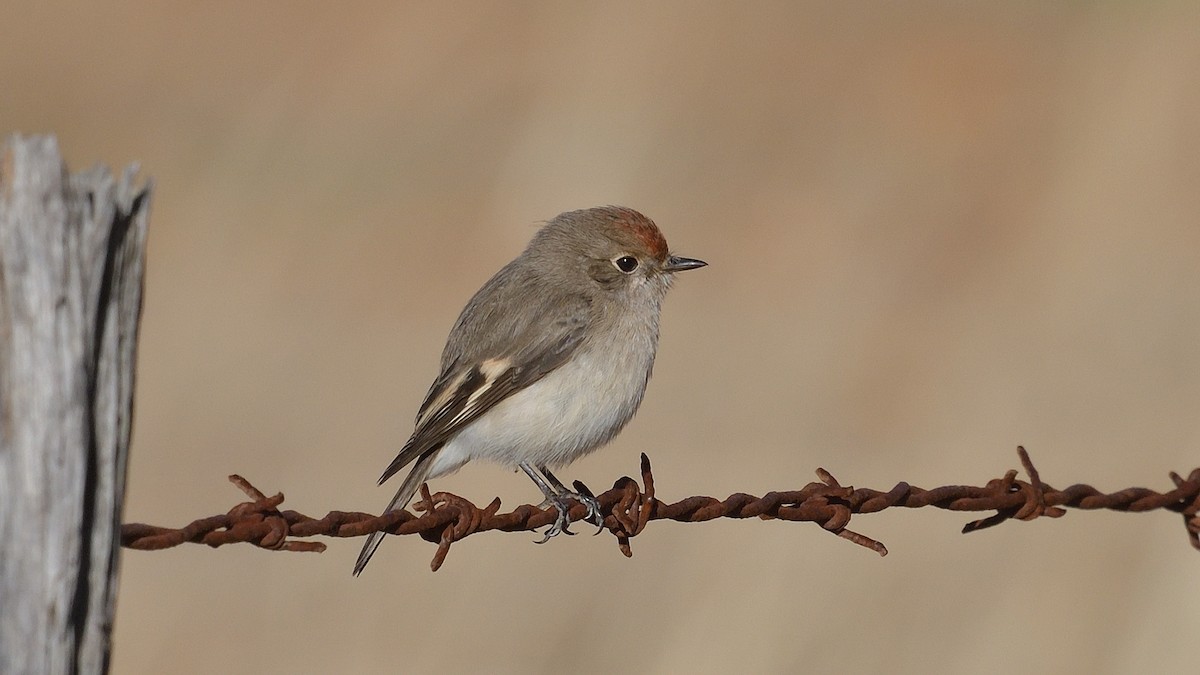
[{"x": 516, "y": 352}]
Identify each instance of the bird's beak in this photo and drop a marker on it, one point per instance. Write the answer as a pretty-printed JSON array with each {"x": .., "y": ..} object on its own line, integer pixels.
[{"x": 677, "y": 264}]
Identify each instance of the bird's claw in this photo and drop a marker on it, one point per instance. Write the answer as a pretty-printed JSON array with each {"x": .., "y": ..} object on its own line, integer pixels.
[
  {"x": 593, "y": 514},
  {"x": 562, "y": 523}
]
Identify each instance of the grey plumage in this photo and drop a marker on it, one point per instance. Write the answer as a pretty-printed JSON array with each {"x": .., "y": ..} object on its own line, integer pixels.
[{"x": 563, "y": 301}]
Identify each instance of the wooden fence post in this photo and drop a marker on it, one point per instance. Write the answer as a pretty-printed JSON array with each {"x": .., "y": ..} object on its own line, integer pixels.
[{"x": 72, "y": 251}]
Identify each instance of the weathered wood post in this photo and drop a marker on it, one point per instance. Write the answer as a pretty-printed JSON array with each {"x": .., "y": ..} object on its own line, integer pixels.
[{"x": 72, "y": 251}]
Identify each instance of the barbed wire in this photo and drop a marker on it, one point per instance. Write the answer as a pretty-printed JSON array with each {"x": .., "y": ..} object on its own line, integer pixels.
[{"x": 627, "y": 508}]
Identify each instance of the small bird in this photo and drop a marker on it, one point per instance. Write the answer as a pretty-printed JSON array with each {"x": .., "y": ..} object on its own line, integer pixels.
[{"x": 548, "y": 361}]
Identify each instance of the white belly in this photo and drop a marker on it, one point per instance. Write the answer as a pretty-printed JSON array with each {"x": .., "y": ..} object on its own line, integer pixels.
[{"x": 561, "y": 417}]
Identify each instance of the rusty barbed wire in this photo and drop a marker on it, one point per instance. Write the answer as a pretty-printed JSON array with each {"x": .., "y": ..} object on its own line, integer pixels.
[{"x": 628, "y": 507}]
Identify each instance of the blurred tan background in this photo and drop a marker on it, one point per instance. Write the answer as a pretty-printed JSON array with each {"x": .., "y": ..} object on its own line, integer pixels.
[{"x": 935, "y": 231}]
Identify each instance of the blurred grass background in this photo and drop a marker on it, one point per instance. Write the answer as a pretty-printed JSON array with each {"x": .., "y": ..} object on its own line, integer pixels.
[{"x": 935, "y": 231}]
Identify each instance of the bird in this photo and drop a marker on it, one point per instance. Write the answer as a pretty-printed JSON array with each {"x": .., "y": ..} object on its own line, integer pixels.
[{"x": 548, "y": 361}]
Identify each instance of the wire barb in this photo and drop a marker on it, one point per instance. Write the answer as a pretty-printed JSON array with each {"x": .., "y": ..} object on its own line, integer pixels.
[{"x": 628, "y": 507}]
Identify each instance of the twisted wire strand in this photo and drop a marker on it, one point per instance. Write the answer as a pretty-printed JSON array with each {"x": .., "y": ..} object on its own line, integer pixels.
[{"x": 628, "y": 507}]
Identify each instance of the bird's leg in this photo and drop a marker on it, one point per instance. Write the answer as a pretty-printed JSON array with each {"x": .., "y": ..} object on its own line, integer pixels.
[
  {"x": 552, "y": 498},
  {"x": 588, "y": 500}
]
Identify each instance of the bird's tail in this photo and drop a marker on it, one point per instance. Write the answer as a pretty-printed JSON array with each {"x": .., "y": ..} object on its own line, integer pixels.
[{"x": 415, "y": 478}]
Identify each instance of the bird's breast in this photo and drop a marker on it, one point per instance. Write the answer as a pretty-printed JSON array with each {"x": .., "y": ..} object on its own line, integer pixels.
[{"x": 566, "y": 414}]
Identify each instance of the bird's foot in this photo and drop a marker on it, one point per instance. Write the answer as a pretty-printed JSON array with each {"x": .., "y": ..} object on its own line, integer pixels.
[
  {"x": 561, "y": 504},
  {"x": 561, "y": 524},
  {"x": 585, "y": 497}
]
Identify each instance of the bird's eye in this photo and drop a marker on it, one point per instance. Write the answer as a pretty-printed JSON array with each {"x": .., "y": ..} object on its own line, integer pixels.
[{"x": 626, "y": 264}]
